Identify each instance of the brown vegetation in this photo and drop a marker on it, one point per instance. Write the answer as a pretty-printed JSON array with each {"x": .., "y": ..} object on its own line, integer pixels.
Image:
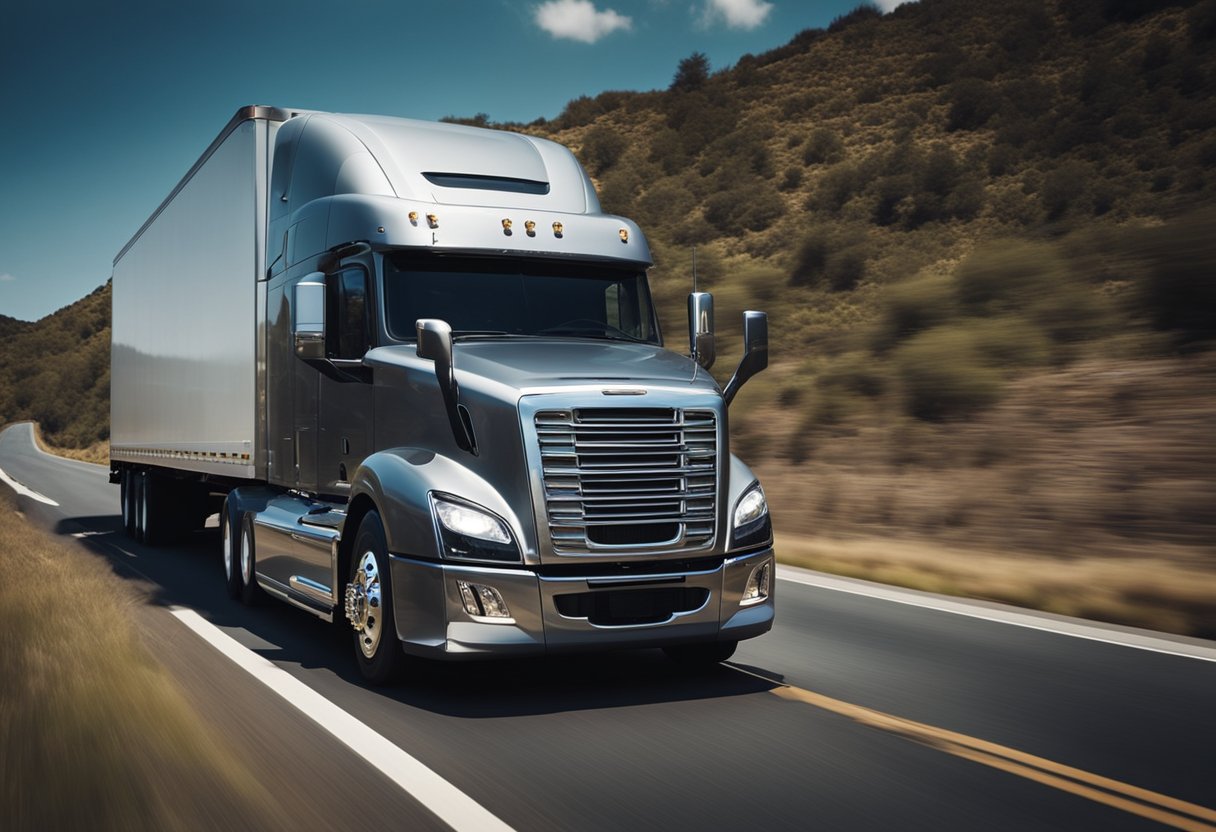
[{"x": 93, "y": 733}]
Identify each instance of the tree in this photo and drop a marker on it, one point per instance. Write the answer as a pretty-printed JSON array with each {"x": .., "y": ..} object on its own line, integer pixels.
[{"x": 692, "y": 73}]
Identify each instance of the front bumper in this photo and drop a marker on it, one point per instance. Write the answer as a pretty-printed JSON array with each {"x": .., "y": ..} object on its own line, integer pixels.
[{"x": 432, "y": 621}]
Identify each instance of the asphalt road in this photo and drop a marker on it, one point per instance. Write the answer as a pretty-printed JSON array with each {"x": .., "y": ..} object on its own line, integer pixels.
[{"x": 858, "y": 711}]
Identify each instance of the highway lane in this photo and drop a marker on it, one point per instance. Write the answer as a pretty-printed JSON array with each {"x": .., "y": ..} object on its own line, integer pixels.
[{"x": 625, "y": 740}]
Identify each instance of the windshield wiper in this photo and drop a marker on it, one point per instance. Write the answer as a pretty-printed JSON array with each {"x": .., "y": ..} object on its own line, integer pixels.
[
  {"x": 474, "y": 333},
  {"x": 592, "y": 332}
]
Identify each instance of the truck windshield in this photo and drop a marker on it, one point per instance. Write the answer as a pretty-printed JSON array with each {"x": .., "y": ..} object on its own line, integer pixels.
[{"x": 505, "y": 297}]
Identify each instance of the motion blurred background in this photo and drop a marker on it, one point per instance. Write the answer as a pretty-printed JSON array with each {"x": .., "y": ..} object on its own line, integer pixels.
[{"x": 984, "y": 233}]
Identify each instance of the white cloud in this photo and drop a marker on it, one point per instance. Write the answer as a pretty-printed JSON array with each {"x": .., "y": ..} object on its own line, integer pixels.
[
  {"x": 579, "y": 20},
  {"x": 889, "y": 5},
  {"x": 6, "y": 278},
  {"x": 737, "y": 14}
]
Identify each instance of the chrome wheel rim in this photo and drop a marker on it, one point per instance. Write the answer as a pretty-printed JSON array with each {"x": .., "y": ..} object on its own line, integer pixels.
[
  {"x": 363, "y": 599},
  {"x": 226, "y": 535},
  {"x": 246, "y": 557}
]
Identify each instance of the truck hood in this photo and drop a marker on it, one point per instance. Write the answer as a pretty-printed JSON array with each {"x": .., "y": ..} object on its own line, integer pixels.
[{"x": 529, "y": 363}]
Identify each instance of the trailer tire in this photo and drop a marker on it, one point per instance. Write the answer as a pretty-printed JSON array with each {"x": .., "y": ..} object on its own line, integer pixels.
[
  {"x": 127, "y": 500},
  {"x": 246, "y": 553},
  {"x": 230, "y": 535},
  {"x": 369, "y": 605},
  {"x": 701, "y": 655},
  {"x": 156, "y": 508},
  {"x": 139, "y": 505}
]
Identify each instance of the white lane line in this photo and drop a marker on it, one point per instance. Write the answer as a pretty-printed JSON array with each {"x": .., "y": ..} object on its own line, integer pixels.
[
  {"x": 452, "y": 806},
  {"x": 1189, "y": 648},
  {"x": 26, "y": 492}
]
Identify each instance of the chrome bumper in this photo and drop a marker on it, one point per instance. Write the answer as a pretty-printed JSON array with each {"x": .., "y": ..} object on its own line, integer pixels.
[{"x": 432, "y": 621}]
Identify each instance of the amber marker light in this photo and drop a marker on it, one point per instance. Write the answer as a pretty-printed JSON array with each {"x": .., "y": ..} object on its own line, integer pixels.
[
  {"x": 414, "y": 217},
  {"x": 557, "y": 229},
  {"x": 432, "y": 220},
  {"x": 530, "y": 227},
  {"x": 506, "y": 226},
  {"x": 624, "y": 232}
]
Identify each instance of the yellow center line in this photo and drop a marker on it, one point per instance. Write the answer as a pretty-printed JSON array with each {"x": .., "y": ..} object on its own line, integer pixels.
[{"x": 1153, "y": 805}]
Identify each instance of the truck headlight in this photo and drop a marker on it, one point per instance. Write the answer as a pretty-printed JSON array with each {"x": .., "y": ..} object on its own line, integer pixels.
[
  {"x": 751, "y": 524},
  {"x": 469, "y": 532}
]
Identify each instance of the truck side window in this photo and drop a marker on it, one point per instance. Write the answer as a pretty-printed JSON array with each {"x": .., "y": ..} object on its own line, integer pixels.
[{"x": 346, "y": 297}]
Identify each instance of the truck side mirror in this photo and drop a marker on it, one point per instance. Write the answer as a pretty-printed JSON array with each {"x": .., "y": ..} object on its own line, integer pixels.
[
  {"x": 701, "y": 328},
  {"x": 308, "y": 318},
  {"x": 755, "y": 352},
  {"x": 435, "y": 344}
]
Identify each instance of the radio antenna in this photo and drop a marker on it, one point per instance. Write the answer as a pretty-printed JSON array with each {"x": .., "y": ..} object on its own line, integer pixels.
[{"x": 695, "y": 365}]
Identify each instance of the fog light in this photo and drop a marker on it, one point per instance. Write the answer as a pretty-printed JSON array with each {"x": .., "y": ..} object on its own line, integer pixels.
[
  {"x": 483, "y": 601},
  {"x": 757, "y": 584}
]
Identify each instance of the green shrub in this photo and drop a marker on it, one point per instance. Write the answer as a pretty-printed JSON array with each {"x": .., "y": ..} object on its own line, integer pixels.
[
  {"x": 943, "y": 376},
  {"x": 972, "y": 103},
  {"x": 911, "y": 307},
  {"x": 1006, "y": 275},
  {"x": 750, "y": 208},
  {"x": 1178, "y": 290},
  {"x": 838, "y": 186},
  {"x": 855, "y": 372},
  {"x": 602, "y": 147},
  {"x": 667, "y": 151},
  {"x": 822, "y": 147},
  {"x": 834, "y": 257},
  {"x": 1009, "y": 341},
  {"x": 791, "y": 180}
]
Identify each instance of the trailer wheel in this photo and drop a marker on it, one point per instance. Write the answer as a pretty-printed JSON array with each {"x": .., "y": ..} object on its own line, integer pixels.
[
  {"x": 245, "y": 554},
  {"x": 230, "y": 542},
  {"x": 701, "y": 654},
  {"x": 369, "y": 605},
  {"x": 139, "y": 504},
  {"x": 127, "y": 499}
]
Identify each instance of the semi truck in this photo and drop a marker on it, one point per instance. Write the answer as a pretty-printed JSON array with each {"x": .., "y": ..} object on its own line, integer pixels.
[{"x": 418, "y": 375}]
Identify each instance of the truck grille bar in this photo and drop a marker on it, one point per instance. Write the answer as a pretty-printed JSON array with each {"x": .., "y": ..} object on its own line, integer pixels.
[{"x": 619, "y": 478}]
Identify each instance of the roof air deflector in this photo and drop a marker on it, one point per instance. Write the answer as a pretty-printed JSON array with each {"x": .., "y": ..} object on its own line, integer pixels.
[{"x": 478, "y": 182}]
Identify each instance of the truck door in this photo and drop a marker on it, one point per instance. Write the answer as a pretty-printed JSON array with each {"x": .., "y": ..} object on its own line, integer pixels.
[
  {"x": 291, "y": 398},
  {"x": 345, "y": 423}
]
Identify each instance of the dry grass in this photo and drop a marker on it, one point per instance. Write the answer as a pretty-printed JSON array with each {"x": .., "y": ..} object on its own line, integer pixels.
[
  {"x": 93, "y": 733},
  {"x": 1088, "y": 490},
  {"x": 98, "y": 453},
  {"x": 1156, "y": 592}
]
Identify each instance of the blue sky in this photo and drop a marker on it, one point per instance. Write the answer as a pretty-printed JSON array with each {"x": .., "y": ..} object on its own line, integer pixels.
[{"x": 106, "y": 105}]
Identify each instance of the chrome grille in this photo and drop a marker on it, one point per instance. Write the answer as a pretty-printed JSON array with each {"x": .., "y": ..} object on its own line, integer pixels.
[{"x": 629, "y": 477}]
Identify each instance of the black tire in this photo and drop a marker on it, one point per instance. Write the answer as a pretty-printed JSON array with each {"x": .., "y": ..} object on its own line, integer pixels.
[
  {"x": 155, "y": 508},
  {"x": 701, "y": 655},
  {"x": 139, "y": 504},
  {"x": 230, "y": 556},
  {"x": 377, "y": 650},
  {"x": 246, "y": 552},
  {"x": 127, "y": 501}
]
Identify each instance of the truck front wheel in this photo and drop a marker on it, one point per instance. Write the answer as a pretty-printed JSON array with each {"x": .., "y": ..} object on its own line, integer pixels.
[{"x": 369, "y": 604}]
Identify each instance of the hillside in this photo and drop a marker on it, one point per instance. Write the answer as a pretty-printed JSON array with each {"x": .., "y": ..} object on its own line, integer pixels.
[{"x": 57, "y": 371}]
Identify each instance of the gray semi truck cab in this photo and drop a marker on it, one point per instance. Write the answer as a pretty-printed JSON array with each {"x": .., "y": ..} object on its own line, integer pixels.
[{"x": 420, "y": 375}]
